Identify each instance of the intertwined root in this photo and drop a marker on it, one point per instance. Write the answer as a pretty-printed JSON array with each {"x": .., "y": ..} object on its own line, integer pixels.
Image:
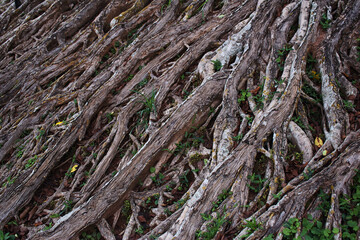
[{"x": 176, "y": 119}]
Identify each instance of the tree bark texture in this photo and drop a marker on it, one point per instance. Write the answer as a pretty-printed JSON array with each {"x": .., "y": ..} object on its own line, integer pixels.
[{"x": 175, "y": 119}]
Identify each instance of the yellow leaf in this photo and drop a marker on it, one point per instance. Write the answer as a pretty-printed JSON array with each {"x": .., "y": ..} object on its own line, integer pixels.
[
  {"x": 73, "y": 169},
  {"x": 58, "y": 123},
  {"x": 318, "y": 142},
  {"x": 324, "y": 152}
]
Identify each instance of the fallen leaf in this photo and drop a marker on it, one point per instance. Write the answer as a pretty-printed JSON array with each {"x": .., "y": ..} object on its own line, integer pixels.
[
  {"x": 141, "y": 218},
  {"x": 73, "y": 169},
  {"x": 324, "y": 152},
  {"x": 318, "y": 142},
  {"x": 58, "y": 123},
  {"x": 351, "y": 97},
  {"x": 255, "y": 91},
  {"x": 37, "y": 224}
]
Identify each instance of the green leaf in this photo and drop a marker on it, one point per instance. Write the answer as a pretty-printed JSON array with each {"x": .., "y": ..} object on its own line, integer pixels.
[
  {"x": 152, "y": 169},
  {"x": 352, "y": 223},
  {"x": 336, "y": 230},
  {"x": 319, "y": 224},
  {"x": 286, "y": 231},
  {"x": 327, "y": 232},
  {"x": 217, "y": 65},
  {"x": 307, "y": 237}
]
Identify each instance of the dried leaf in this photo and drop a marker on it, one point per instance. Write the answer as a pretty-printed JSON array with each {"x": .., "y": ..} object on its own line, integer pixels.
[
  {"x": 58, "y": 123},
  {"x": 318, "y": 142}
]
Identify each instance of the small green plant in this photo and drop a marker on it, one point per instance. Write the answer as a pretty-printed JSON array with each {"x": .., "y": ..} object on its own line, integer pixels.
[
  {"x": 9, "y": 181},
  {"x": 56, "y": 215},
  {"x": 158, "y": 179},
  {"x": 48, "y": 227},
  {"x": 238, "y": 137},
  {"x": 190, "y": 140},
  {"x": 132, "y": 35},
  {"x": 149, "y": 103},
  {"x": 243, "y": 95},
  {"x": 217, "y": 65},
  {"x": 180, "y": 203},
  {"x": 291, "y": 227},
  {"x": 167, "y": 212},
  {"x": 20, "y": 151},
  {"x": 13, "y": 223},
  {"x": 310, "y": 60},
  {"x": 212, "y": 227},
  {"x": 206, "y": 217},
  {"x": 222, "y": 196},
  {"x": 308, "y": 174},
  {"x": 109, "y": 116},
  {"x": 31, "y": 162},
  {"x": 350, "y": 209},
  {"x": 250, "y": 119},
  {"x": 195, "y": 141},
  {"x": 293, "y": 154},
  {"x": 141, "y": 84},
  {"x": 41, "y": 133},
  {"x": 140, "y": 230},
  {"x": 153, "y": 199},
  {"x": 212, "y": 110},
  {"x": 165, "y": 6},
  {"x": 325, "y": 22},
  {"x": 311, "y": 92},
  {"x": 269, "y": 237},
  {"x": 256, "y": 182},
  {"x": 129, "y": 78},
  {"x": 252, "y": 226},
  {"x": 277, "y": 195},
  {"x": 68, "y": 205},
  {"x": 6, "y": 236},
  {"x": 348, "y": 105},
  {"x": 282, "y": 53},
  {"x": 154, "y": 236},
  {"x": 168, "y": 188},
  {"x": 298, "y": 121},
  {"x": 183, "y": 178},
  {"x": 186, "y": 94},
  {"x": 259, "y": 99},
  {"x": 126, "y": 210},
  {"x": 94, "y": 235},
  {"x": 310, "y": 229},
  {"x": 112, "y": 50},
  {"x": 278, "y": 82}
]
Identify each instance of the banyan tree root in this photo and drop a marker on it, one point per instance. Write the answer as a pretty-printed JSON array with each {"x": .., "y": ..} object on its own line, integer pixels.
[{"x": 178, "y": 119}]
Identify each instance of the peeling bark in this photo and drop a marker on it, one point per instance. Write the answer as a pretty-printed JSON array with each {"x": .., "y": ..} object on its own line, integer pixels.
[{"x": 141, "y": 119}]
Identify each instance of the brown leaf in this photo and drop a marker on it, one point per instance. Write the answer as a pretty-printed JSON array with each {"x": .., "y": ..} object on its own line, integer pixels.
[
  {"x": 23, "y": 214},
  {"x": 37, "y": 224},
  {"x": 141, "y": 218},
  {"x": 32, "y": 212},
  {"x": 255, "y": 91},
  {"x": 351, "y": 97}
]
